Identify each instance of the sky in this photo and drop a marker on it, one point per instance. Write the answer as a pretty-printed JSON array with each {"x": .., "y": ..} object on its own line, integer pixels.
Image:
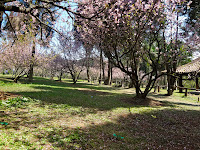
[{"x": 65, "y": 22}]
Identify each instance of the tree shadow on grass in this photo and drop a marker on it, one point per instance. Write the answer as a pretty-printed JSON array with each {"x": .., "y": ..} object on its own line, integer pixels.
[
  {"x": 166, "y": 129},
  {"x": 69, "y": 83},
  {"x": 158, "y": 95},
  {"x": 81, "y": 94},
  {"x": 6, "y": 80},
  {"x": 181, "y": 103},
  {"x": 97, "y": 87},
  {"x": 76, "y": 97},
  {"x": 160, "y": 129},
  {"x": 171, "y": 103},
  {"x": 86, "y": 98},
  {"x": 152, "y": 129},
  {"x": 64, "y": 83}
]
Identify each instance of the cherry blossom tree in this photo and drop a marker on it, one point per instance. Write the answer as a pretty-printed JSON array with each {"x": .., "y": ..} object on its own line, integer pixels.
[
  {"x": 73, "y": 56},
  {"x": 41, "y": 13},
  {"x": 39, "y": 16},
  {"x": 19, "y": 25},
  {"x": 131, "y": 33},
  {"x": 47, "y": 65},
  {"x": 88, "y": 54},
  {"x": 17, "y": 57}
]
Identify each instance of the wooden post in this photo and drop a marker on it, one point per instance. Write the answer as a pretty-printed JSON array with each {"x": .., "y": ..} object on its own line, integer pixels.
[
  {"x": 158, "y": 88},
  {"x": 186, "y": 92},
  {"x": 176, "y": 84},
  {"x": 180, "y": 83}
]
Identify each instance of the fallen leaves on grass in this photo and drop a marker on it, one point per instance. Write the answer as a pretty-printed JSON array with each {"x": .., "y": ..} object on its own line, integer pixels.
[
  {"x": 142, "y": 102},
  {"x": 6, "y": 95}
]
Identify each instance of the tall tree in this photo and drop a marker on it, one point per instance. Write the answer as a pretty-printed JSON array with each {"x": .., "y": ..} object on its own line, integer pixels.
[
  {"x": 17, "y": 57},
  {"x": 130, "y": 33},
  {"x": 72, "y": 56}
]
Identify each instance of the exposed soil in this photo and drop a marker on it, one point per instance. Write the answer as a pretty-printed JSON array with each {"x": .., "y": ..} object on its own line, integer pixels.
[
  {"x": 6, "y": 95},
  {"x": 143, "y": 102}
]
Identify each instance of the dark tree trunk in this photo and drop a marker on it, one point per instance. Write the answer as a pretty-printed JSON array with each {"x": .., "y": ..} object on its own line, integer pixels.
[
  {"x": 180, "y": 83},
  {"x": 171, "y": 70},
  {"x": 108, "y": 81},
  {"x": 88, "y": 74},
  {"x": 1, "y": 19},
  {"x": 171, "y": 81},
  {"x": 109, "y": 72},
  {"x": 30, "y": 73},
  {"x": 100, "y": 67},
  {"x": 103, "y": 69},
  {"x": 60, "y": 76},
  {"x": 169, "y": 86},
  {"x": 17, "y": 78},
  {"x": 75, "y": 76},
  {"x": 88, "y": 66},
  {"x": 88, "y": 49},
  {"x": 141, "y": 96},
  {"x": 131, "y": 82},
  {"x": 74, "y": 80}
]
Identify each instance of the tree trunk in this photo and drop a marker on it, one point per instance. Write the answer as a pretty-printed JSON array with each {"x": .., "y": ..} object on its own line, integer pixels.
[
  {"x": 171, "y": 81},
  {"x": 180, "y": 83},
  {"x": 16, "y": 79},
  {"x": 88, "y": 68},
  {"x": 169, "y": 86},
  {"x": 131, "y": 84},
  {"x": 100, "y": 67},
  {"x": 108, "y": 81},
  {"x": 109, "y": 72},
  {"x": 75, "y": 76},
  {"x": 30, "y": 73},
  {"x": 172, "y": 70},
  {"x": 140, "y": 96},
  {"x": 74, "y": 80},
  {"x": 88, "y": 75},
  {"x": 1, "y": 19},
  {"x": 103, "y": 69},
  {"x": 60, "y": 76}
]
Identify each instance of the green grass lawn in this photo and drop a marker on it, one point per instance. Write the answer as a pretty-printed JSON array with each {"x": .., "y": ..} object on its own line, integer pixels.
[{"x": 60, "y": 115}]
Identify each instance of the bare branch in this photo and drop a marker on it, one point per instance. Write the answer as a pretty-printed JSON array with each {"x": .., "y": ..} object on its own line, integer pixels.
[
  {"x": 15, "y": 37},
  {"x": 43, "y": 23},
  {"x": 73, "y": 12}
]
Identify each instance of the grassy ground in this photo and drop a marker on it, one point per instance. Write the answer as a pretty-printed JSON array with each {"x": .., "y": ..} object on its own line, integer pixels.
[{"x": 54, "y": 115}]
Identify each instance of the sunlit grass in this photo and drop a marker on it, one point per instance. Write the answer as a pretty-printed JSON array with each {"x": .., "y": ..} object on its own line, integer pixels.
[{"x": 85, "y": 116}]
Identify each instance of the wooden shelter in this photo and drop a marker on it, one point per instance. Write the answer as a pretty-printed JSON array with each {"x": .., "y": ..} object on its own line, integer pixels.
[{"x": 191, "y": 69}]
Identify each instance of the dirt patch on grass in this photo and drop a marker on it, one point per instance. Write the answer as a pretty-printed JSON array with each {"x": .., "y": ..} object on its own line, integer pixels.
[
  {"x": 7, "y": 95},
  {"x": 143, "y": 102}
]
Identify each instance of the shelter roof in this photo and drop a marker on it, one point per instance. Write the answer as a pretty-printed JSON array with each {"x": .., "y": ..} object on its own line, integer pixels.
[{"x": 193, "y": 66}]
